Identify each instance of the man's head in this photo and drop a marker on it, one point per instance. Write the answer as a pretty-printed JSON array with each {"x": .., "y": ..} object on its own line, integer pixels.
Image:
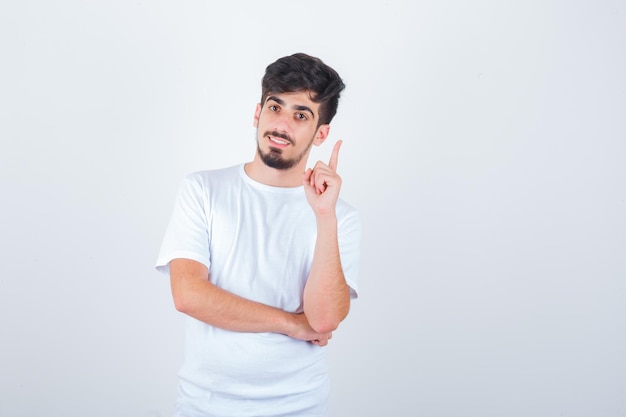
[
  {"x": 300, "y": 98},
  {"x": 302, "y": 72}
]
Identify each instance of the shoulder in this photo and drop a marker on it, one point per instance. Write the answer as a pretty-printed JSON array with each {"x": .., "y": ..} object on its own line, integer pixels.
[
  {"x": 347, "y": 215},
  {"x": 203, "y": 186},
  {"x": 345, "y": 208},
  {"x": 221, "y": 174},
  {"x": 207, "y": 179}
]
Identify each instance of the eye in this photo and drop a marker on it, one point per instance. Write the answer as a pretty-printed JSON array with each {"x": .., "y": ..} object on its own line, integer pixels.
[
  {"x": 273, "y": 107},
  {"x": 301, "y": 116}
]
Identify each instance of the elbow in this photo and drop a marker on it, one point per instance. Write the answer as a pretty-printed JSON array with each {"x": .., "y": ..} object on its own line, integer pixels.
[
  {"x": 326, "y": 318},
  {"x": 327, "y": 324},
  {"x": 182, "y": 302},
  {"x": 325, "y": 327}
]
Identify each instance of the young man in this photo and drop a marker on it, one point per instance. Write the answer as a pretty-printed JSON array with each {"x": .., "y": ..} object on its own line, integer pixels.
[{"x": 263, "y": 259}]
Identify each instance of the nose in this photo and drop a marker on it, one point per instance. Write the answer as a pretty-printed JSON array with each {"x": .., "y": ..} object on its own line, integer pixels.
[{"x": 282, "y": 122}]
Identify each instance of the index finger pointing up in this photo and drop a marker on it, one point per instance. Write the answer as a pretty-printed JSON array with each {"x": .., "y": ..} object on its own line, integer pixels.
[{"x": 332, "y": 164}]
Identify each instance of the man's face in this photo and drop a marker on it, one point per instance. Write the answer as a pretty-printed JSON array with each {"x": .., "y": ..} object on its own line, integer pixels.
[{"x": 286, "y": 128}]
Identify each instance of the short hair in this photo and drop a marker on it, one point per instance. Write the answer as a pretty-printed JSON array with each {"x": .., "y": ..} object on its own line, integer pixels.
[{"x": 302, "y": 72}]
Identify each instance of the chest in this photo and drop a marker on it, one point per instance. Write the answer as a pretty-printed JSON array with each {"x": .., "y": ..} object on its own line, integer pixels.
[{"x": 261, "y": 246}]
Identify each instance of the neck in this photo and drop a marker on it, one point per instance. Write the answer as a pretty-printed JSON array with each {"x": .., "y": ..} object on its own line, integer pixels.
[{"x": 258, "y": 171}]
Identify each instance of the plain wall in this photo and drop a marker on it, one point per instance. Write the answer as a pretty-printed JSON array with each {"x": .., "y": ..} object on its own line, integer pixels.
[{"x": 484, "y": 145}]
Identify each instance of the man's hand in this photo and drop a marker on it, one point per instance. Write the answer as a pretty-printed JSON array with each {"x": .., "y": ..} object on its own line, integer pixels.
[
  {"x": 303, "y": 331},
  {"x": 322, "y": 184}
]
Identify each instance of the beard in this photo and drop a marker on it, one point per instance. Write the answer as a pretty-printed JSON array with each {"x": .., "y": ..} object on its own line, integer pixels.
[{"x": 274, "y": 157}]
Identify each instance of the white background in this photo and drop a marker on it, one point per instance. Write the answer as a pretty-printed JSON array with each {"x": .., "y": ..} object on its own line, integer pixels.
[{"x": 484, "y": 144}]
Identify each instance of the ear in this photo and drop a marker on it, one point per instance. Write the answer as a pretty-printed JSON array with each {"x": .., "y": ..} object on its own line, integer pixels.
[
  {"x": 257, "y": 114},
  {"x": 321, "y": 134}
]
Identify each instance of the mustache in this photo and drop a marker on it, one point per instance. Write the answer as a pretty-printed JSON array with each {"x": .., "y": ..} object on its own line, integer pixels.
[{"x": 279, "y": 135}]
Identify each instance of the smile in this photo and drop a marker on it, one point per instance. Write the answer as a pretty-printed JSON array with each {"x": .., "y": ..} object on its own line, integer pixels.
[{"x": 278, "y": 142}]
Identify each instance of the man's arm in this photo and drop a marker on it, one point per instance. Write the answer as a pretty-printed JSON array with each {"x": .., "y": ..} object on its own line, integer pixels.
[
  {"x": 326, "y": 294},
  {"x": 199, "y": 298}
]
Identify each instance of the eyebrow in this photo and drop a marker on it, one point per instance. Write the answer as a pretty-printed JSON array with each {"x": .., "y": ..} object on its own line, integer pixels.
[{"x": 299, "y": 107}]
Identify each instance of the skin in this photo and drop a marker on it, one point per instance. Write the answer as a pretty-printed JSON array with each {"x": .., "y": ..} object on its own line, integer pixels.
[{"x": 287, "y": 127}]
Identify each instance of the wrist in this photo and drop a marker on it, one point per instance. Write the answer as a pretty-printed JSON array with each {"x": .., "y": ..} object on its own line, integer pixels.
[
  {"x": 326, "y": 216},
  {"x": 287, "y": 324},
  {"x": 326, "y": 224}
]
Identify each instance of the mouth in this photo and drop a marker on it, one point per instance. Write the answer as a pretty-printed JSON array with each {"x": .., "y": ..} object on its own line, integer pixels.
[
  {"x": 277, "y": 142},
  {"x": 278, "y": 139}
]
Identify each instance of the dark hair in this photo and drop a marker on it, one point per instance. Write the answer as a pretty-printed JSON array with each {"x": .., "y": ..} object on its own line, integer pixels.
[{"x": 302, "y": 72}]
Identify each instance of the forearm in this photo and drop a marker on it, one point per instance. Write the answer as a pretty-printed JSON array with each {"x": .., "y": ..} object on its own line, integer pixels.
[
  {"x": 197, "y": 297},
  {"x": 229, "y": 311},
  {"x": 326, "y": 294}
]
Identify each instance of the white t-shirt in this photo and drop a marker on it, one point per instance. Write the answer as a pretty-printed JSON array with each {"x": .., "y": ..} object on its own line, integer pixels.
[{"x": 257, "y": 241}]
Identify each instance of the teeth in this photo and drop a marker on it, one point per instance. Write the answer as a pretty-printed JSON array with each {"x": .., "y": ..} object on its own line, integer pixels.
[{"x": 280, "y": 142}]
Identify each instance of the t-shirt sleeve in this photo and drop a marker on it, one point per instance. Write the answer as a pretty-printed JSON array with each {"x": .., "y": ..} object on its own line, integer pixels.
[
  {"x": 187, "y": 234},
  {"x": 349, "y": 236}
]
